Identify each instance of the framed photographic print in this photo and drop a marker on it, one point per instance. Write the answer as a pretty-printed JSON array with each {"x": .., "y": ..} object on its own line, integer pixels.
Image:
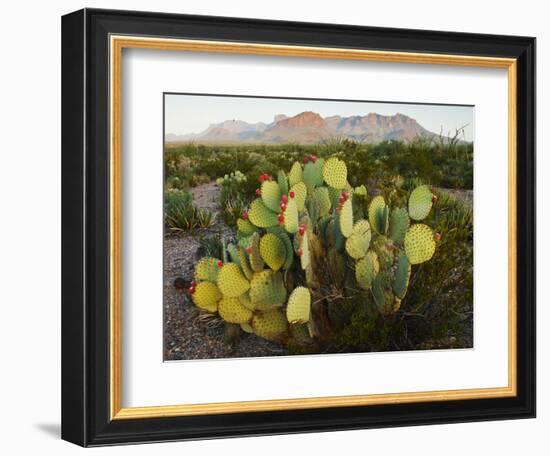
[{"x": 279, "y": 227}]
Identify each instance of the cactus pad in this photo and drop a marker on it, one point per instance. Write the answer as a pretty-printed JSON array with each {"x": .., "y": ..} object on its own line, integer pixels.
[
  {"x": 206, "y": 296},
  {"x": 313, "y": 174},
  {"x": 419, "y": 243},
  {"x": 231, "y": 281},
  {"x": 358, "y": 243},
  {"x": 346, "y": 218},
  {"x": 270, "y": 325},
  {"x": 245, "y": 227},
  {"x": 360, "y": 191},
  {"x": 295, "y": 174},
  {"x": 289, "y": 260},
  {"x": 260, "y": 215},
  {"x": 243, "y": 262},
  {"x": 385, "y": 300},
  {"x": 378, "y": 214},
  {"x": 299, "y": 306},
  {"x": 334, "y": 195},
  {"x": 267, "y": 289},
  {"x": 232, "y": 311},
  {"x": 402, "y": 275},
  {"x": 256, "y": 261},
  {"x": 303, "y": 242},
  {"x": 244, "y": 299},
  {"x": 291, "y": 216},
  {"x": 283, "y": 182},
  {"x": 361, "y": 227},
  {"x": 321, "y": 196},
  {"x": 399, "y": 224},
  {"x": 273, "y": 251},
  {"x": 300, "y": 193},
  {"x": 233, "y": 253},
  {"x": 420, "y": 202},
  {"x": 335, "y": 173},
  {"x": 271, "y": 195},
  {"x": 247, "y": 328},
  {"x": 366, "y": 270},
  {"x": 207, "y": 269}
]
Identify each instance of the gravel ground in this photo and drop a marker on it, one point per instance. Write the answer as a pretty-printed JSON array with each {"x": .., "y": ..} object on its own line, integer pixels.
[{"x": 188, "y": 332}]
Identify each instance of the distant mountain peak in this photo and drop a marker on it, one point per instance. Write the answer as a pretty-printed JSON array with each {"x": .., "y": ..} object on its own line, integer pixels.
[
  {"x": 306, "y": 119},
  {"x": 279, "y": 117},
  {"x": 309, "y": 127}
]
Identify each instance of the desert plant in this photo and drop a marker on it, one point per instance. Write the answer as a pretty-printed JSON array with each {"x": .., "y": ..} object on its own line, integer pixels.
[
  {"x": 303, "y": 255},
  {"x": 181, "y": 215},
  {"x": 205, "y": 218}
]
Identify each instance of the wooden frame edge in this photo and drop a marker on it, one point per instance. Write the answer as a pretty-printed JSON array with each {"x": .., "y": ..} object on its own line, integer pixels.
[{"x": 120, "y": 42}]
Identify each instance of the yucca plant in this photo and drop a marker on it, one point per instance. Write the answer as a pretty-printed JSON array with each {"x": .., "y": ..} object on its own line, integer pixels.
[{"x": 182, "y": 215}]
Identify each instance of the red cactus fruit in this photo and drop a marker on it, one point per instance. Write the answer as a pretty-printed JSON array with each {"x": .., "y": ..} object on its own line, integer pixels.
[
  {"x": 302, "y": 230},
  {"x": 284, "y": 199},
  {"x": 249, "y": 250},
  {"x": 193, "y": 284},
  {"x": 313, "y": 158},
  {"x": 291, "y": 194},
  {"x": 191, "y": 290},
  {"x": 300, "y": 252},
  {"x": 220, "y": 263},
  {"x": 437, "y": 237},
  {"x": 258, "y": 192},
  {"x": 283, "y": 206},
  {"x": 306, "y": 159},
  {"x": 262, "y": 177},
  {"x": 281, "y": 218},
  {"x": 245, "y": 215}
]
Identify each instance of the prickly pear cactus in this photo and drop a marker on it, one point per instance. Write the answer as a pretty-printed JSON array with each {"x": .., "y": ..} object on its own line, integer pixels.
[
  {"x": 271, "y": 195},
  {"x": 402, "y": 275},
  {"x": 378, "y": 214},
  {"x": 206, "y": 296},
  {"x": 231, "y": 281},
  {"x": 232, "y": 311},
  {"x": 295, "y": 174},
  {"x": 207, "y": 269},
  {"x": 299, "y": 306},
  {"x": 335, "y": 173},
  {"x": 419, "y": 243},
  {"x": 270, "y": 325},
  {"x": 313, "y": 174},
  {"x": 260, "y": 215},
  {"x": 420, "y": 202},
  {"x": 399, "y": 224},
  {"x": 304, "y": 244},
  {"x": 273, "y": 251}
]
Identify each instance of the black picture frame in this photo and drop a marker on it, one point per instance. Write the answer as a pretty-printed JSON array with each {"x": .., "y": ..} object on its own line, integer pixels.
[{"x": 85, "y": 228}]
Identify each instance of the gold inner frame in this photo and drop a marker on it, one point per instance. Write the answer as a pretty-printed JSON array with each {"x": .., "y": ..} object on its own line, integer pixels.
[{"x": 117, "y": 44}]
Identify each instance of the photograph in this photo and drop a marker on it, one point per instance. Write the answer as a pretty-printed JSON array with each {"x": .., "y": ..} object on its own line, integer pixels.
[{"x": 316, "y": 227}]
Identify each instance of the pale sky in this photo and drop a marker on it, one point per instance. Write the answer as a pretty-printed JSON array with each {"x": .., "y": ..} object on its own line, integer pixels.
[{"x": 194, "y": 113}]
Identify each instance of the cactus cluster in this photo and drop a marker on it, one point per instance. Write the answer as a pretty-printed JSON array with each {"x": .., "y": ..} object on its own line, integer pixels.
[{"x": 303, "y": 245}]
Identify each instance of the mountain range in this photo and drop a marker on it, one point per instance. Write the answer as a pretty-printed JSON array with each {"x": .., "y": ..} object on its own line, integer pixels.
[{"x": 309, "y": 128}]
